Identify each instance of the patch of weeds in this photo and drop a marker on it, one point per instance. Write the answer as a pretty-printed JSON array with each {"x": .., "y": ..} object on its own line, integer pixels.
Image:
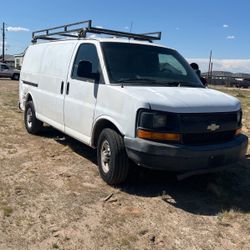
[
  {"x": 225, "y": 217},
  {"x": 12, "y": 151},
  {"x": 240, "y": 95},
  {"x": 7, "y": 211},
  {"x": 126, "y": 242},
  {"x": 143, "y": 232},
  {"x": 55, "y": 245}
]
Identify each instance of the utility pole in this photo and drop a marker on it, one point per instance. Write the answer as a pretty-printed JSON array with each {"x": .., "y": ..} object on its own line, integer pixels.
[
  {"x": 209, "y": 74},
  {"x": 3, "y": 42}
]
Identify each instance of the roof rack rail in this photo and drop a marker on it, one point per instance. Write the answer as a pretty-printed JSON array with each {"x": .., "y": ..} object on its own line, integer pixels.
[{"x": 80, "y": 30}]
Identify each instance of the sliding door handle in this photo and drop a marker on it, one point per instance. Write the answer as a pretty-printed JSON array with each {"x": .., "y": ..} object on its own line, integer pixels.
[{"x": 62, "y": 85}]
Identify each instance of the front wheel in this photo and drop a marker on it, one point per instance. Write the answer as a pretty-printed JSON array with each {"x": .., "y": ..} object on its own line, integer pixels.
[
  {"x": 112, "y": 157},
  {"x": 32, "y": 124}
]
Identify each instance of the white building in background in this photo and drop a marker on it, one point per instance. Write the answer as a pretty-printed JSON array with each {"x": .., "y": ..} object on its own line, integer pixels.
[
  {"x": 19, "y": 60},
  {"x": 8, "y": 59}
]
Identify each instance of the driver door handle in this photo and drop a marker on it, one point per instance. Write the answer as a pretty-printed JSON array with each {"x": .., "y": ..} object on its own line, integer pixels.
[{"x": 67, "y": 88}]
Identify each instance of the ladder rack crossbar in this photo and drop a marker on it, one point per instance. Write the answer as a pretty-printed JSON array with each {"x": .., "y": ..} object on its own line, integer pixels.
[{"x": 84, "y": 27}]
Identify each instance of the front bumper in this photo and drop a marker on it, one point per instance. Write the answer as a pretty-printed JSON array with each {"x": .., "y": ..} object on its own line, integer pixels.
[{"x": 182, "y": 158}]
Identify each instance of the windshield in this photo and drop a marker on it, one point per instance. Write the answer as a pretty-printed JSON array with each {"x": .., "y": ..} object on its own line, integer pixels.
[{"x": 147, "y": 65}]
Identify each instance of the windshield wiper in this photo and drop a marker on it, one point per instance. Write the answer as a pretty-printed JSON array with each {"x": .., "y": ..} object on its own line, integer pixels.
[
  {"x": 128, "y": 80},
  {"x": 154, "y": 82},
  {"x": 181, "y": 84},
  {"x": 146, "y": 80}
]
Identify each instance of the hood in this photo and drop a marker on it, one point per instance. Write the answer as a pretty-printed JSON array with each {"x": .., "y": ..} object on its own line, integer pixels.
[{"x": 184, "y": 99}]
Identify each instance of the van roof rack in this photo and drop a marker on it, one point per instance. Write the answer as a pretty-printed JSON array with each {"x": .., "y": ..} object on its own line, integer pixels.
[{"x": 80, "y": 30}]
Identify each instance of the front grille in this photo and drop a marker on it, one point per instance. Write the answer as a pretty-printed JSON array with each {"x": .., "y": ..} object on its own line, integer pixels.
[
  {"x": 198, "y": 123},
  {"x": 197, "y": 129},
  {"x": 218, "y": 117},
  {"x": 207, "y": 138}
]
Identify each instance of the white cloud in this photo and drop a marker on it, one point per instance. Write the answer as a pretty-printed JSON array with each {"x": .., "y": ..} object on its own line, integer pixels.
[
  {"x": 232, "y": 65},
  {"x": 225, "y": 26},
  {"x": 230, "y": 37},
  {"x": 99, "y": 27},
  {"x": 16, "y": 29}
]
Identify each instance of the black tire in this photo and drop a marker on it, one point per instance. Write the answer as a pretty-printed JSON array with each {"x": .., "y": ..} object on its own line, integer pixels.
[
  {"x": 15, "y": 77},
  {"x": 32, "y": 124},
  {"x": 113, "y": 166}
]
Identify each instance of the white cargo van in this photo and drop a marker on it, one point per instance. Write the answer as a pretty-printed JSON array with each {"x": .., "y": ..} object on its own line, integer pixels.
[{"x": 131, "y": 99}]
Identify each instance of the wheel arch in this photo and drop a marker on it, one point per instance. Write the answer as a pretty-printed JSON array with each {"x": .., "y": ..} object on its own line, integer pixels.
[
  {"x": 28, "y": 97},
  {"x": 101, "y": 124},
  {"x": 24, "y": 97}
]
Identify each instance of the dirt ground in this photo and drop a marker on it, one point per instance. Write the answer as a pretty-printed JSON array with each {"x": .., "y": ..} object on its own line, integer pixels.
[{"x": 51, "y": 196}]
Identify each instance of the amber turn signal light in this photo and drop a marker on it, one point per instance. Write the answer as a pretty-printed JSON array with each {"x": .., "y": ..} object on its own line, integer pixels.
[{"x": 158, "y": 136}]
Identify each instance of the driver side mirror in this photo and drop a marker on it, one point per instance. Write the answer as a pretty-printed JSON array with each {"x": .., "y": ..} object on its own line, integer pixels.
[{"x": 84, "y": 70}]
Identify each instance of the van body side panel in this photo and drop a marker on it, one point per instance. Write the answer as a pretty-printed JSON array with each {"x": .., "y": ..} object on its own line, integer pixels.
[
  {"x": 30, "y": 75},
  {"x": 54, "y": 69},
  {"x": 44, "y": 73}
]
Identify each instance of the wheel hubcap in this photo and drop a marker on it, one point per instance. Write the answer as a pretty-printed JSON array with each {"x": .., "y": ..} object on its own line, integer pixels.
[
  {"x": 29, "y": 118},
  {"x": 105, "y": 156}
]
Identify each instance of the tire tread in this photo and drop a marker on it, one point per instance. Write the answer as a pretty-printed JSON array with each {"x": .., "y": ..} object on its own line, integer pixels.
[
  {"x": 120, "y": 167},
  {"x": 36, "y": 124}
]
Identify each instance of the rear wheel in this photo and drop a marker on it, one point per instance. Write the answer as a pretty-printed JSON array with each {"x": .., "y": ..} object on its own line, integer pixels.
[
  {"x": 32, "y": 124},
  {"x": 112, "y": 158}
]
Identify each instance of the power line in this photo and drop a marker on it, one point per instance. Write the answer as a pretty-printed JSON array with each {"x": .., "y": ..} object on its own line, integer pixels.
[{"x": 3, "y": 42}]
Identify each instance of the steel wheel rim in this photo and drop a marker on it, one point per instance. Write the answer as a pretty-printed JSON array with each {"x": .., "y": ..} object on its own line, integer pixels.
[
  {"x": 105, "y": 156},
  {"x": 29, "y": 117}
]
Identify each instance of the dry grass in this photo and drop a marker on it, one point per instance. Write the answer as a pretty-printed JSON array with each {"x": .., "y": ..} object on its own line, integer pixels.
[{"x": 51, "y": 196}]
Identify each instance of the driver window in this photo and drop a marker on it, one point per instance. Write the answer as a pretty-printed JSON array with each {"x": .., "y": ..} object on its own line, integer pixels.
[{"x": 86, "y": 52}]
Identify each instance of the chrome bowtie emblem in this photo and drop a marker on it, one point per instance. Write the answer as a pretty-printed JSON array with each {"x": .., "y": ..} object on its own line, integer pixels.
[{"x": 213, "y": 127}]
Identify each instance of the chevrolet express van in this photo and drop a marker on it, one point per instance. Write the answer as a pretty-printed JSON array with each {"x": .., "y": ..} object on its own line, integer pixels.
[{"x": 132, "y": 100}]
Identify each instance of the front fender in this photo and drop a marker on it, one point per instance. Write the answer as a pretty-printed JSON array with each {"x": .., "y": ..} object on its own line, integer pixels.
[{"x": 104, "y": 121}]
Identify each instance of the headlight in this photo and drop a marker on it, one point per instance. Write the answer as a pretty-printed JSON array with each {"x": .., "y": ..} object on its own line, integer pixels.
[
  {"x": 152, "y": 120},
  {"x": 157, "y": 126}
]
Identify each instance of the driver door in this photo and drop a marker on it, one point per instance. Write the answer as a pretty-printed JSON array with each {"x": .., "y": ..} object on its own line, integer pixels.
[{"x": 80, "y": 95}]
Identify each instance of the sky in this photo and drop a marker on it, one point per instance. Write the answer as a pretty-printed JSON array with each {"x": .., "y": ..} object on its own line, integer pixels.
[{"x": 192, "y": 27}]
